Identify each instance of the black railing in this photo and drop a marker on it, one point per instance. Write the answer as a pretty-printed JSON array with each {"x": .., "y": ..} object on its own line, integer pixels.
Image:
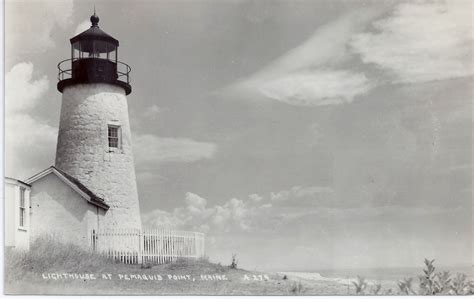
[
  {"x": 123, "y": 71},
  {"x": 64, "y": 73},
  {"x": 65, "y": 70}
]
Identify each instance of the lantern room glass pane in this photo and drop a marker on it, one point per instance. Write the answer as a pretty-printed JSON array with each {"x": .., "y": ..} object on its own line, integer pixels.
[
  {"x": 75, "y": 54},
  {"x": 94, "y": 49},
  {"x": 112, "y": 55}
]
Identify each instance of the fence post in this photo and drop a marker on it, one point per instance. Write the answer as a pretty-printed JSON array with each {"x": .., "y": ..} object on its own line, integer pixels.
[
  {"x": 140, "y": 246},
  {"x": 196, "y": 246}
]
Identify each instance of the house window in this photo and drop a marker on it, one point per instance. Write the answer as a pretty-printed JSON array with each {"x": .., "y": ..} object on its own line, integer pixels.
[
  {"x": 22, "y": 208},
  {"x": 114, "y": 136}
]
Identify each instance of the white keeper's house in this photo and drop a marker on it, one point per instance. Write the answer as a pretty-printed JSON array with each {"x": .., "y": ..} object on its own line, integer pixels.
[{"x": 92, "y": 186}]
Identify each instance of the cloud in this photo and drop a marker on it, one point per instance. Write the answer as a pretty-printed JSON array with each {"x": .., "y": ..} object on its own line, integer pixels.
[
  {"x": 161, "y": 219},
  {"x": 234, "y": 212},
  {"x": 154, "y": 111},
  {"x": 326, "y": 47},
  {"x": 38, "y": 17},
  {"x": 255, "y": 213},
  {"x": 151, "y": 149},
  {"x": 421, "y": 42},
  {"x": 314, "y": 73},
  {"x": 298, "y": 193},
  {"x": 255, "y": 197},
  {"x": 335, "y": 65},
  {"x": 29, "y": 141},
  {"x": 21, "y": 91},
  {"x": 83, "y": 26},
  {"x": 317, "y": 88},
  {"x": 195, "y": 203}
]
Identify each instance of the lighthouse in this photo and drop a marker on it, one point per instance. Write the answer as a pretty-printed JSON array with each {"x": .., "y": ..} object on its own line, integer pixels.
[{"x": 94, "y": 139}]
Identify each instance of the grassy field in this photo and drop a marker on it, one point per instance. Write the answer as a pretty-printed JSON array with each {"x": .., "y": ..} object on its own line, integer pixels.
[{"x": 52, "y": 268}]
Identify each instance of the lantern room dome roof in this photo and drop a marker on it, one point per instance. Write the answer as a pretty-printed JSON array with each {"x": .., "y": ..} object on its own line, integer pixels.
[{"x": 94, "y": 33}]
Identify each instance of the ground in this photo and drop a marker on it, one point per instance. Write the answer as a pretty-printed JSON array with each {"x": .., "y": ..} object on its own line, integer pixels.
[
  {"x": 182, "y": 277},
  {"x": 51, "y": 268}
]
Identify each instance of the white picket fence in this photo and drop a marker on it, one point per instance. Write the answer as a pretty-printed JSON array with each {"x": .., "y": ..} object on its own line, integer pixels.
[{"x": 156, "y": 246}]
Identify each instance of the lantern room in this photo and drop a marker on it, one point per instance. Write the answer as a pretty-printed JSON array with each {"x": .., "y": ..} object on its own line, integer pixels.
[{"x": 94, "y": 59}]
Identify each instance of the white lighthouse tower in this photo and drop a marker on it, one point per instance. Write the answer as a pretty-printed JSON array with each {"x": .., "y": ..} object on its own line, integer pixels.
[{"x": 94, "y": 141}]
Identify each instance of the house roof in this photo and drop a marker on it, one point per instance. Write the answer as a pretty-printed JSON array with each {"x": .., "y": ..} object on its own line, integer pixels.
[
  {"x": 16, "y": 181},
  {"x": 72, "y": 182}
]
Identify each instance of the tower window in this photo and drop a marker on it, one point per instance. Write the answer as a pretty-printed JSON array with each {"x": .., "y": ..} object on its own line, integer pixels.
[
  {"x": 114, "y": 136},
  {"x": 22, "y": 207}
]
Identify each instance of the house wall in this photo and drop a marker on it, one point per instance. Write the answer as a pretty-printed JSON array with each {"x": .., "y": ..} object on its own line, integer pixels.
[
  {"x": 10, "y": 214},
  {"x": 59, "y": 211},
  {"x": 16, "y": 236}
]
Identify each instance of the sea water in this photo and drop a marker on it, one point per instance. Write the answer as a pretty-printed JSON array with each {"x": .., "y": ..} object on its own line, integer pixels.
[{"x": 390, "y": 273}]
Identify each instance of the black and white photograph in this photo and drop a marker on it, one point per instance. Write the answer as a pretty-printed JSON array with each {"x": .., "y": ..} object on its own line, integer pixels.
[{"x": 238, "y": 147}]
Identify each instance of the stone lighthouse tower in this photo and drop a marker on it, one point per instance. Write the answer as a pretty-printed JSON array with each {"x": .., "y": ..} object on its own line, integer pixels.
[{"x": 94, "y": 141}]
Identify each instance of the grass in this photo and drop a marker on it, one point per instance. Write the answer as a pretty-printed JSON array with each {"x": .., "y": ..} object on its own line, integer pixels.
[{"x": 23, "y": 275}]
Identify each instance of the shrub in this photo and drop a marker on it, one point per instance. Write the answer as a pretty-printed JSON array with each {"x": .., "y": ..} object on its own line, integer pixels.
[
  {"x": 146, "y": 266},
  {"x": 204, "y": 258},
  {"x": 376, "y": 289},
  {"x": 405, "y": 286},
  {"x": 460, "y": 285},
  {"x": 427, "y": 279},
  {"x": 441, "y": 283},
  {"x": 430, "y": 283},
  {"x": 297, "y": 288},
  {"x": 360, "y": 285},
  {"x": 233, "y": 264},
  {"x": 389, "y": 292}
]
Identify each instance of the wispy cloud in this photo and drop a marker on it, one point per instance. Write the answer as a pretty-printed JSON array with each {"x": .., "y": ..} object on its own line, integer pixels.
[
  {"x": 83, "y": 26},
  {"x": 421, "y": 41},
  {"x": 151, "y": 149},
  {"x": 154, "y": 111},
  {"x": 317, "y": 88},
  {"x": 40, "y": 17},
  {"x": 297, "y": 193},
  {"x": 29, "y": 141},
  {"x": 313, "y": 74},
  {"x": 335, "y": 65}
]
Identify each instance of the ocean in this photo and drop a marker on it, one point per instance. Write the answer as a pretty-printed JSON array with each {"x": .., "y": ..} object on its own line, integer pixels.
[{"x": 389, "y": 273}]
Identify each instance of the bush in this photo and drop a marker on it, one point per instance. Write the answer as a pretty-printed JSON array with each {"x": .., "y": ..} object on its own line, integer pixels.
[
  {"x": 405, "y": 286},
  {"x": 430, "y": 283},
  {"x": 233, "y": 264},
  {"x": 376, "y": 289},
  {"x": 437, "y": 283},
  {"x": 460, "y": 285},
  {"x": 146, "y": 266},
  {"x": 360, "y": 285},
  {"x": 297, "y": 288}
]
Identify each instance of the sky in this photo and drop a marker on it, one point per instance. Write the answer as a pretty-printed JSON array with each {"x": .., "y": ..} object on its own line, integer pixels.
[{"x": 300, "y": 135}]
